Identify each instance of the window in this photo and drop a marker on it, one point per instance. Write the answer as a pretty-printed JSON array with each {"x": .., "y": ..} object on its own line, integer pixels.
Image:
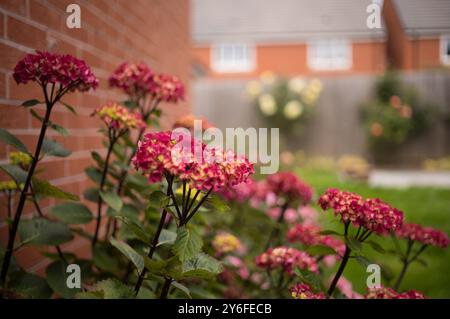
[
  {"x": 235, "y": 57},
  {"x": 329, "y": 55},
  {"x": 445, "y": 50}
]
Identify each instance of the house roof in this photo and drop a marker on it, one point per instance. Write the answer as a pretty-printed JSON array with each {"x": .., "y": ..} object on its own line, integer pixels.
[
  {"x": 280, "y": 20},
  {"x": 424, "y": 17}
]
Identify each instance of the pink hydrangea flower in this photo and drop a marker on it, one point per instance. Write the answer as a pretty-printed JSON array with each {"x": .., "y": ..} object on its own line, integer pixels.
[
  {"x": 310, "y": 235},
  {"x": 286, "y": 258},
  {"x": 51, "y": 68},
  {"x": 168, "y": 88},
  {"x": 389, "y": 293},
  {"x": 160, "y": 153},
  {"x": 346, "y": 288},
  {"x": 303, "y": 291},
  {"x": 372, "y": 214},
  {"x": 134, "y": 79},
  {"x": 240, "y": 192},
  {"x": 424, "y": 235},
  {"x": 118, "y": 117},
  {"x": 289, "y": 186}
]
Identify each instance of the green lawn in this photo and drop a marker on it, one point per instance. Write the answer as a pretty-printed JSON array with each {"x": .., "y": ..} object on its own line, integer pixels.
[{"x": 427, "y": 206}]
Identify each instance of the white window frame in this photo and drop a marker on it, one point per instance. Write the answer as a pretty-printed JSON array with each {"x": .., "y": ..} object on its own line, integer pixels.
[
  {"x": 327, "y": 64},
  {"x": 445, "y": 42},
  {"x": 233, "y": 65}
]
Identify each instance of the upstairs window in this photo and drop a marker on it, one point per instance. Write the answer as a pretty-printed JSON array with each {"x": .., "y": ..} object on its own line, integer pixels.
[
  {"x": 232, "y": 57},
  {"x": 330, "y": 55},
  {"x": 445, "y": 50}
]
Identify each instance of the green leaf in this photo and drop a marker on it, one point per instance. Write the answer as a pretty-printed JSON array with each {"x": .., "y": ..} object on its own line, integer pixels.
[
  {"x": 10, "y": 139},
  {"x": 129, "y": 252},
  {"x": 377, "y": 247},
  {"x": 91, "y": 194},
  {"x": 354, "y": 245},
  {"x": 187, "y": 244},
  {"x": 61, "y": 130},
  {"x": 69, "y": 107},
  {"x": 89, "y": 295},
  {"x": 58, "y": 128},
  {"x": 201, "y": 266},
  {"x": 128, "y": 211},
  {"x": 114, "y": 289},
  {"x": 41, "y": 231},
  {"x": 113, "y": 200},
  {"x": 94, "y": 174},
  {"x": 167, "y": 237},
  {"x": 363, "y": 261},
  {"x": 329, "y": 232},
  {"x": 130, "y": 104},
  {"x": 216, "y": 203},
  {"x": 158, "y": 199},
  {"x": 136, "y": 228},
  {"x": 156, "y": 267},
  {"x": 53, "y": 148},
  {"x": 32, "y": 102},
  {"x": 31, "y": 286},
  {"x": 41, "y": 187},
  {"x": 57, "y": 279},
  {"x": 72, "y": 213},
  {"x": 15, "y": 172},
  {"x": 105, "y": 258},
  {"x": 320, "y": 250},
  {"x": 309, "y": 278},
  {"x": 182, "y": 288}
]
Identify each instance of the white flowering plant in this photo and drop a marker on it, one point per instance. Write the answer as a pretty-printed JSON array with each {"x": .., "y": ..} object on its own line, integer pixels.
[{"x": 284, "y": 102}]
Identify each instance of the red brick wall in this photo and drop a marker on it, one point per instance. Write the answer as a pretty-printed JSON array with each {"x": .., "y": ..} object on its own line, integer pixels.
[
  {"x": 112, "y": 31},
  {"x": 291, "y": 59},
  {"x": 406, "y": 53}
]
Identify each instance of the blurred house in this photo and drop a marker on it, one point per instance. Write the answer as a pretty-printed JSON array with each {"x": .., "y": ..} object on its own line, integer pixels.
[
  {"x": 418, "y": 33},
  {"x": 312, "y": 37}
]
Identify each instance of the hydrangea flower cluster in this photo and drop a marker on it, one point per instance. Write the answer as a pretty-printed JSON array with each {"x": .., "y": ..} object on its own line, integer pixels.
[
  {"x": 309, "y": 235},
  {"x": 51, "y": 68},
  {"x": 226, "y": 243},
  {"x": 133, "y": 79},
  {"x": 303, "y": 291},
  {"x": 188, "y": 122},
  {"x": 240, "y": 192},
  {"x": 159, "y": 154},
  {"x": 286, "y": 258},
  {"x": 7, "y": 186},
  {"x": 424, "y": 235},
  {"x": 389, "y": 293},
  {"x": 168, "y": 88},
  {"x": 372, "y": 214},
  {"x": 118, "y": 117},
  {"x": 285, "y": 185},
  {"x": 20, "y": 158}
]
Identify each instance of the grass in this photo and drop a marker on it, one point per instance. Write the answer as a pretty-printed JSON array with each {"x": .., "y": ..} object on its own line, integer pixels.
[{"x": 427, "y": 206}]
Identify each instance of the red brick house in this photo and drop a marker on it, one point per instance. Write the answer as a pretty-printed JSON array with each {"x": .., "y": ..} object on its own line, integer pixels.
[
  {"x": 236, "y": 38},
  {"x": 112, "y": 31},
  {"x": 418, "y": 33}
]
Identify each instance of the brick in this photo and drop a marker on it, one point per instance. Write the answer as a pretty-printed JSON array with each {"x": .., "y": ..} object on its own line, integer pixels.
[
  {"x": 16, "y": 6},
  {"x": 26, "y": 34},
  {"x": 9, "y": 56},
  {"x": 3, "y": 82}
]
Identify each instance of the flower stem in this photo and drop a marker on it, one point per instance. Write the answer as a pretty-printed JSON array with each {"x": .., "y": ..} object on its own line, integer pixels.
[
  {"x": 276, "y": 229},
  {"x": 154, "y": 242},
  {"x": 102, "y": 185},
  {"x": 338, "y": 275},
  {"x": 165, "y": 288},
  {"x": 23, "y": 194}
]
